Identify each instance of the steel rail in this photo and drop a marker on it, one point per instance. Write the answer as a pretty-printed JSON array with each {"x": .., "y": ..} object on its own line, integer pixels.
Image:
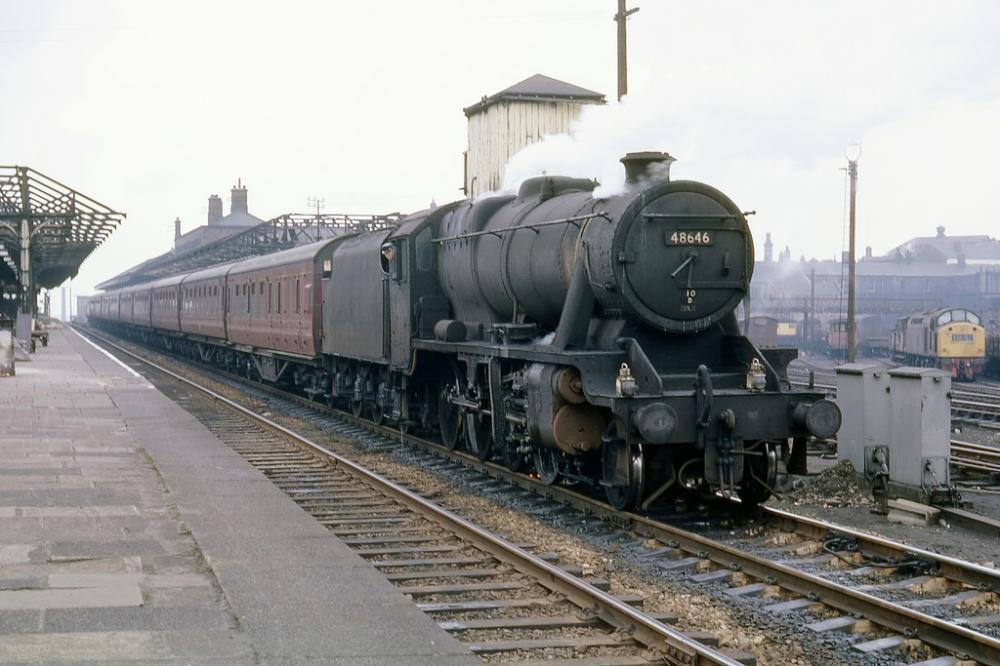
[
  {"x": 674, "y": 645},
  {"x": 987, "y": 452},
  {"x": 932, "y": 630},
  {"x": 969, "y": 573}
]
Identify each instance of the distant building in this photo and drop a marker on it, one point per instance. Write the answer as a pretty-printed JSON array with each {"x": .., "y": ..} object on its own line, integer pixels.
[
  {"x": 923, "y": 273},
  {"x": 980, "y": 250},
  {"x": 502, "y": 124},
  {"x": 218, "y": 226}
]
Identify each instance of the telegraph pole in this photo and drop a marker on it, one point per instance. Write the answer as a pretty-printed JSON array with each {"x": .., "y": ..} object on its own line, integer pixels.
[
  {"x": 811, "y": 328},
  {"x": 317, "y": 203},
  {"x": 852, "y": 172},
  {"x": 620, "y": 19}
]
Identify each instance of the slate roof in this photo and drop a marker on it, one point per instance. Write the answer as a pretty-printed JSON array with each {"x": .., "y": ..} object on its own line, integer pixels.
[
  {"x": 947, "y": 248},
  {"x": 238, "y": 219},
  {"x": 537, "y": 88}
]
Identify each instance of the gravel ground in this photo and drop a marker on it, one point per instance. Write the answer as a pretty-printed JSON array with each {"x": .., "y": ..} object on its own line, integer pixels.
[
  {"x": 848, "y": 505},
  {"x": 968, "y": 432},
  {"x": 837, "y": 485}
]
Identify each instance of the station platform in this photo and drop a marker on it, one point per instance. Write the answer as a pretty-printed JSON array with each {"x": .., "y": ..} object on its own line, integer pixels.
[{"x": 130, "y": 534}]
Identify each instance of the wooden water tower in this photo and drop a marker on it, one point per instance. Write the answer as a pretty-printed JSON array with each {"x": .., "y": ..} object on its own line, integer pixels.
[{"x": 502, "y": 124}]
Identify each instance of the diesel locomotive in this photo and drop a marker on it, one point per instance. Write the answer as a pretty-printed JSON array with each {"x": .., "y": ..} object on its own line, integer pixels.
[
  {"x": 580, "y": 338},
  {"x": 952, "y": 339}
]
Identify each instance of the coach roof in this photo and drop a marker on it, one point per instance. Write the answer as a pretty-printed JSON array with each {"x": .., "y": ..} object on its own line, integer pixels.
[{"x": 294, "y": 255}]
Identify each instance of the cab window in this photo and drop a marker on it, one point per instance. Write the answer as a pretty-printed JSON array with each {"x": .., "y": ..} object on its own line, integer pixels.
[
  {"x": 424, "y": 250},
  {"x": 389, "y": 258}
]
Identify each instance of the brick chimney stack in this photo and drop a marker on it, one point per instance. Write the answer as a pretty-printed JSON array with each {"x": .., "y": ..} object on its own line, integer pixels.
[
  {"x": 177, "y": 230},
  {"x": 238, "y": 202},
  {"x": 214, "y": 208}
]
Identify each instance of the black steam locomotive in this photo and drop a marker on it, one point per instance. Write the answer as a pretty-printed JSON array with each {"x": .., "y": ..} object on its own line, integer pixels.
[{"x": 592, "y": 339}]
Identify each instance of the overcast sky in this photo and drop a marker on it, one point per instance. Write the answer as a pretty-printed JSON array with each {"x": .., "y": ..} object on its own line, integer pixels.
[{"x": 150, "y": 107}]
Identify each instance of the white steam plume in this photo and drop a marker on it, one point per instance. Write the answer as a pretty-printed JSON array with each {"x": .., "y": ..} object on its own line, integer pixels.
[{"x": 594, "y": 145}]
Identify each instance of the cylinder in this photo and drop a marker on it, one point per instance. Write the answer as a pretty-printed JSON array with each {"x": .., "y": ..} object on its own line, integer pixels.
[{"x": 578, "y": 428}]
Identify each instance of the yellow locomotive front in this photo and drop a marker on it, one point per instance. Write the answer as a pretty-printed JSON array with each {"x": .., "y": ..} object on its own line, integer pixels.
[{"x": 961, "y": 344}]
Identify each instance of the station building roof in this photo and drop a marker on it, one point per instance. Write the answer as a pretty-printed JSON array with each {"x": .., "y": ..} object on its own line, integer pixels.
[{"x": 66, "y": 226}]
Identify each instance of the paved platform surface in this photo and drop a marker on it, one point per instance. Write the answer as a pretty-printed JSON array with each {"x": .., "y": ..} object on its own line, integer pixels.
[{"x": 130, "y": 534}]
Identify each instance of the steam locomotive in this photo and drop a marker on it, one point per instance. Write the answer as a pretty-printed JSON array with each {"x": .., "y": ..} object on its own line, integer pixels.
[{"x": 585, "y": 339}]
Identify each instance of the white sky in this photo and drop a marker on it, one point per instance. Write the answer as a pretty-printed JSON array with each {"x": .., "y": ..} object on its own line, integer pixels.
[{"x": 150, "y": 107}]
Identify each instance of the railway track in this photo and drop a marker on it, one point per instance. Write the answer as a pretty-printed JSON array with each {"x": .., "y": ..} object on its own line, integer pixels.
[
  {"x": 895, "y": 595},
  {"x": 478, "y": 586},
  {"x": 985, "y": 459}
]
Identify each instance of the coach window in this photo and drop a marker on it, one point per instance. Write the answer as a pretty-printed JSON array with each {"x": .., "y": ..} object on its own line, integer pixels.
[
  {"x": 280, "y": 285},
  {"x": 297, "y": 297}
]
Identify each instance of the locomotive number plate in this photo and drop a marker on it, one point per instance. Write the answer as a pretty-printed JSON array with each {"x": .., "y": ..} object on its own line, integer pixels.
[{"x": 689, "y": 238}]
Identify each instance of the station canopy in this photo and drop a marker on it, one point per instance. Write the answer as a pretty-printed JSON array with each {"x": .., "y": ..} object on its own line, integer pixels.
[
  {"x": 60, "y": 226},
  {"x": 281, "y": 233}
]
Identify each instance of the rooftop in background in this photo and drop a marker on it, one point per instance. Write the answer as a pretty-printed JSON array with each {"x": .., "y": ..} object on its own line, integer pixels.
[
  {"x": 218, "y": 227},
  {"x": 65, "y": 227},
  {"x": 949, "y": 249},
  {"x": 539, "y": 88}
]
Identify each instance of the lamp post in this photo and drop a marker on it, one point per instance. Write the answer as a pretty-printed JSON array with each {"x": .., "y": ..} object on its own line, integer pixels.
[{"x": 852, "y": 153}]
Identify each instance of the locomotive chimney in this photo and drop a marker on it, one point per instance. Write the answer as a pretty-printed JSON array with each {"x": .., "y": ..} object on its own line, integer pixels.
[
  {"x": 238, "y": 202},
  {"x": 214, "y": 208},
  {"x": 650, "y": 165}
]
